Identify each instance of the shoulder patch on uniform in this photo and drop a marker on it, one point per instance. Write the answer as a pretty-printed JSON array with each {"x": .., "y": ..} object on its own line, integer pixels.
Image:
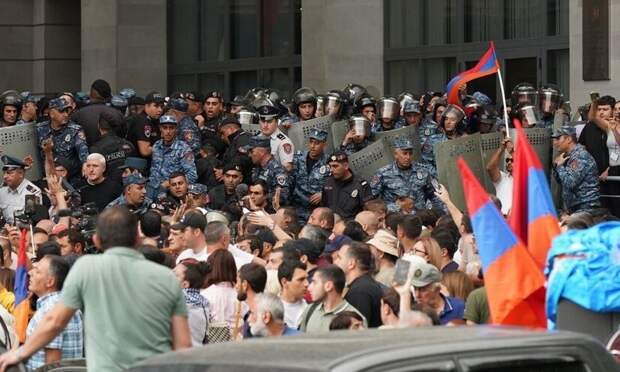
[
  {"x": 287, "y": 148},
  {"x": 281, "y": 136},
  {"x": 281, "y": 179},
  {"x": 574, "y": 164},
  {"x": 31, "y": 188}
]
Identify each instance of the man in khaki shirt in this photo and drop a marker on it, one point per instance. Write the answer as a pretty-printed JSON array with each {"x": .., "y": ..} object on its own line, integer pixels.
[
  {"x": 327, "y": 291},
  {"x": 133, "y": 308}
]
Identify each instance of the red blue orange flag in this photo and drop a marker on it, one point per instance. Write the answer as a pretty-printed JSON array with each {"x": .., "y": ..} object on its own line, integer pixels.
[
  {"x": 22, "y": 305},
  {"x": 486, "y": 66},
  {"x": 532, "y": 217},
  {"x": 512, "y": 278}
]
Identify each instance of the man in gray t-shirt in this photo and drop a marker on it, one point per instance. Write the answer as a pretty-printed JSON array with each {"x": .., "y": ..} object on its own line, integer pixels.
[{"x": 133, "y": 308}]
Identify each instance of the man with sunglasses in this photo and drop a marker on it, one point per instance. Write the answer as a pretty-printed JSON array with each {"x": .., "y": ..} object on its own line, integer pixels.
[
  {"x": 502, "y": 179},
  {"x": 67, "y": 138}
]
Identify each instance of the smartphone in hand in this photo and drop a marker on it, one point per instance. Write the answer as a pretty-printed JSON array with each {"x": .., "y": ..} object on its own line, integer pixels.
[{"x": 401, "y": 271}]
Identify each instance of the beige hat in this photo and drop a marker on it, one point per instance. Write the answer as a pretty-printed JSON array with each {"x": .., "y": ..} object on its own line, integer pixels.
[
  {"x": 384, "y": 241},
  {"x": 424, "y": 274}
]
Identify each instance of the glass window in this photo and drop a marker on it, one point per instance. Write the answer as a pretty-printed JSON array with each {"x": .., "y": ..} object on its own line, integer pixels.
[
  {"x": 519, "y": 70},
  {"x": 277, "y": 79},
  {"x": 486, "y": 85},
  {"x": 244, "y": 28},
  {"x": 277, "y": 24},
  {"x": 212, "y": 30},
  {"x": 183, "y": 41},
  {"x": 523, "y": 19},
  {"x": 558, "y": 70},
  {"x": 557, "y": 17},
  {"x": 440, "y": 22},
  {"x": 483, "y": 19},
  {"x": 242, "y": 81},
  {"x": 404, "y": 76},
  {"x": 182, "y": 83},
  {"x": 211, "y": 82},
  {"x": 405, "y": 26},
  {"x": 438, "y": 72}
]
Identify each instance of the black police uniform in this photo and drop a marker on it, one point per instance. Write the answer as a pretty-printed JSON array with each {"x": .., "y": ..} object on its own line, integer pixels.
[
  {"x": 142, "y": 128},
  {"x": 88, "y": 118},
  {"x": 237, "y": 140},
  {"x": 115, "y": 150},
  {"x": 346, "y": 197},
  {"x": 210, "y": 135}
]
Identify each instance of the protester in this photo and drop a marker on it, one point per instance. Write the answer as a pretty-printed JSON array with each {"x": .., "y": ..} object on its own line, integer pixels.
[{"x": 268, "y": 319}]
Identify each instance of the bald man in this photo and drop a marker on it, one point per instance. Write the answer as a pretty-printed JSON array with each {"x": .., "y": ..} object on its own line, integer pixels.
[{"x": 369, "y": 222}]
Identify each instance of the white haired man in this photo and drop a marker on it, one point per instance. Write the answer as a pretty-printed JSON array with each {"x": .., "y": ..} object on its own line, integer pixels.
[
  {"x": 267, "y": 319},
  {"x": 97, "y": 188}
]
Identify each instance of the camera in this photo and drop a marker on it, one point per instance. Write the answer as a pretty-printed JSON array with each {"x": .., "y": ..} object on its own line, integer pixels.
[{"x": 86, "y": 216}]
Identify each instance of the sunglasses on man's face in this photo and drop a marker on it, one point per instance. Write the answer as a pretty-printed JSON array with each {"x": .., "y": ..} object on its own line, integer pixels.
[{"x": 508, "y": 160}]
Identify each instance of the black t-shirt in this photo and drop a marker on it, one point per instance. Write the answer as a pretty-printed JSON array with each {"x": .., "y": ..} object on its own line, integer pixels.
[
  {"x": 142, "y": 128},
  {"x": 365, "y": 295},
  {"x": 101, "y": 194},
  {"x": 595, "y": 141}
]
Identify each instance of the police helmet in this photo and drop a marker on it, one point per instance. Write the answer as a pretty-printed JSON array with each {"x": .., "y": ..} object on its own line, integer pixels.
[{"x": 523, "y": 93}]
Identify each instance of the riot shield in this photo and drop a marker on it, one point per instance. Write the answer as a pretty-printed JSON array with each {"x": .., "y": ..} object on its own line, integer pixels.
[
  {"x": 446, "y": 154},
  {"x": 367, "y": 161},
  {"x": 300, "y": 131},
  {"x": 339, "y": 130},
  {"x": 408, "y": 132},
  {"x": 20, "y": 141},
  {"x": 489, "y": 143},
  {"x": 253, "y": 129},
  {"x": 540, "y": 139}
]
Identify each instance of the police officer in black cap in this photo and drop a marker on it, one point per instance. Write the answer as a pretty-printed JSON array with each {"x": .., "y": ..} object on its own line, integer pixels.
[
  {"x": 224, "y": 196},
  {"x": 213, "y": 110},
  {"x": 114, "y": 148},
  {"x": 344, "y": 193},
  {"x": 11, "y": 107},
  {"x": 144, "y": 127},
  {"x": 236, "y": 138}
]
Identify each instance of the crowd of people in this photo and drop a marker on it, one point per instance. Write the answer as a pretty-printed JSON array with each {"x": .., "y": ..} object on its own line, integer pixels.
[{"x": 161, "y": 222}]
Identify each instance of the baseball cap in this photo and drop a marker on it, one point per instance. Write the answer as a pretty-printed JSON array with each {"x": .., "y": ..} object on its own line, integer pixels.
[
  {"x": 58, "y": 104},
  {"x": 193, "y": 219},
  {"x": 154, "y": 97},
  {"x": 134, "y": 179},
  {"x": 195, "y": 96},
  {"x": 385, "y": 242},
  {"x": 564, "y": 130},
  {"x": 217, "y": 216},
  {"x": 134, "y": 163},
  {"x": 319, "y": 135},
  {"x": 197, "y": 189},
  {"x": 336, "y": 244},
  {"x": 403, "y": 144},
  {"x": 232, "y": 166},
  {"x": 167, "y": 119},
  {"x": 339, "y": 156},
  {"x": 259, "y": 141},
  {"x": 178, "y": 104},
  {"x": 424, "y": 274},
  {"x": 412, "y": 106}
]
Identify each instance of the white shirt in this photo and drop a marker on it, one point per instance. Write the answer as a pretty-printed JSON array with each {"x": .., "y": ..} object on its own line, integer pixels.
[
  {"x": 293, "y": 311},
  {"x": 241, "y": 257},
  {"x": 12, "y": 201},
  {"x": 282, "y": 148},
  {"x": 503, "y": 191}
]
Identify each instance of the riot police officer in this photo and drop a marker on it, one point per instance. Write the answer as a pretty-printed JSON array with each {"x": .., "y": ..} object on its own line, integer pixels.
[
  {"x": 169, "y": 155},
  {"x": 549, "y": 100},
  {"x": 267, "y": 168},
  {"x": 358, "y": 135},
  {"x": 310, "y": 172},
  {"x": 11, "y": 107},
  {"x": 28, "y": 113},
  {"x": 304, "y": 104},
  {"x": 114, "y": 148},
  {"x": 402, "y": 174},
  {"x": 68, "y": 138},
  {"x": 388, "y": 110},
  {"x": 187, "y": 130},
  {"x": 344, "y": 192},
  {"x": 576, "y": 171}
]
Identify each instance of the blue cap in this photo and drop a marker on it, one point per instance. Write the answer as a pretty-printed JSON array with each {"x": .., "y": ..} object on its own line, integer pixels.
[
  {"x": 403, "y": 144},
  {"x": 134, "y": 179},
  {"x": 58, "y": 104},
  {"x": 338, "y": 156},
  {"x": 319, "y": 135},
  {"x": 10, "y": 162},
  {"x": 412, "y": 106},
  {"x": 564, "y": 130},
  {"x": 134, "y": 163},
  {"x": 259, "y": 141},
  {"x": 178, "y": 104},
  {"x": 336, "y": 244},
  {"x": 197, "y": 189},
  {"x": 482, "y": 98},
  {"x": 167, "y": 119},
  {"x": 127, "y": 93},
  {"x": 118, "y": 101}
]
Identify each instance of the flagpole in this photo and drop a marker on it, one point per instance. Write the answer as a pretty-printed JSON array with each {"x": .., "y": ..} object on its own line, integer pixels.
[{"x": 501, "y": 88}]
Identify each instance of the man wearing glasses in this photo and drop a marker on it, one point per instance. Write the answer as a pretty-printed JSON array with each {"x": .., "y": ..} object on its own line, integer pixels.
[
  {"x": 502, "y": 179},
  {"x": 67, "y": 138}
]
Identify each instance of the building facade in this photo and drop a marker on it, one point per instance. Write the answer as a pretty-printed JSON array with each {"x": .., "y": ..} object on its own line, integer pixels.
[{"x": 234, "y": 45}]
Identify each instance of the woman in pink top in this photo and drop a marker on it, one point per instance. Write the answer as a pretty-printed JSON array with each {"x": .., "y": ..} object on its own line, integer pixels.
[{"x": 220, "y": 288}]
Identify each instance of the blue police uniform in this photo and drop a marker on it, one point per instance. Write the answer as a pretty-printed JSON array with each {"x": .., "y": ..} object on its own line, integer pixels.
[
  {"x": 69, "y": 144},
  {"x": 578, "y": 177},
  {"x": 167, "y": 159},
  {"x": 138, "y": 209},
  {"x": 427, "y": 128},
  {"x": 275, "y": 175},
  {"x": 188, "y": 131},
  {"x": 427, "y": 151},
  {"x": 307, "y": 181},
  {"x": 352, "y": 147}
]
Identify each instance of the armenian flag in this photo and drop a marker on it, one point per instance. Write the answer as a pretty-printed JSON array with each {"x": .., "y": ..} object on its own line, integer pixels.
[
  {"x": 487, "y": 65},
  {"x": 22, "y": 304},
  {"x": 513, "y": 280}
]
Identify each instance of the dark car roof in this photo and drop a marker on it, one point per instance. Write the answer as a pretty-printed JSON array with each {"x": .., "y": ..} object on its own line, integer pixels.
[{"x": 325, "y": 351}]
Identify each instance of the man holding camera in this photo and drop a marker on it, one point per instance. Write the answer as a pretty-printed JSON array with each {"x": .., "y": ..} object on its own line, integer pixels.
[{"x": 16, "y": 187}]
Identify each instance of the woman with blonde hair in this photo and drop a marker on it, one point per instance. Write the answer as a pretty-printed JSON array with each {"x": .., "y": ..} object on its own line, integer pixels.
[
  {"x": 457, "y": 284},
  {"x": 427, "y": 248}
]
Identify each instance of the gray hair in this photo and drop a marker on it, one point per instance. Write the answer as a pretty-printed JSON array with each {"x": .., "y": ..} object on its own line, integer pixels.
[
  {"x": 215, "y": 231},
  {"x": 268, "y": 302},
  {"x": 314, "y": 233},
  {"x": 97, "y": 157}
]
